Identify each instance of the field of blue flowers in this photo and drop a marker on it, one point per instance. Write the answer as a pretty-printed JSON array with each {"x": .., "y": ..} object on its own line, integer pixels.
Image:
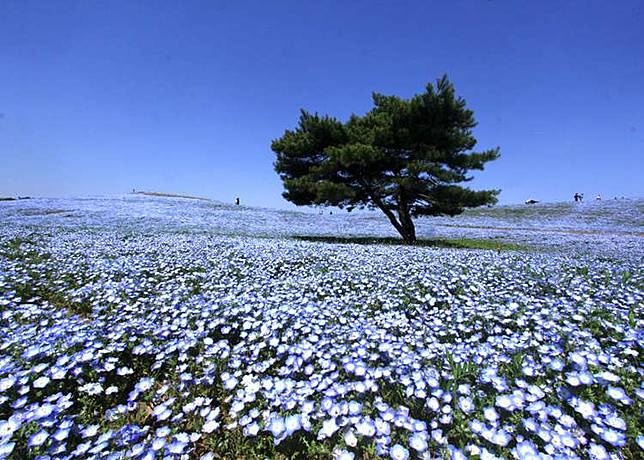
[{"x": 142, "y": 327}]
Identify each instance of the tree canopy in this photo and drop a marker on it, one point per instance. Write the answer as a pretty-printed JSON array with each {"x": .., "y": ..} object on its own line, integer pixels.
[{"x": 406, "y": 157}]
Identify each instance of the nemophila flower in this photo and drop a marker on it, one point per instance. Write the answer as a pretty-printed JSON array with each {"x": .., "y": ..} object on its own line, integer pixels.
[
  {"x": 417, "y": 426},
  {"x": 90, "y": 431},
  {"x": 618, "y": 394},
  {"x": 6, "y": 448},
  {"x": 438, "y": 437},
  {"x": 501, "y": 438},
  {"x": 537, "y": 406},
  {"x": 476, "y": 426},
  {"x": 569, "y": 441},
  {"x": 505, "y": 402},
  {"x": 464, "y": 389},
  {"x": 598, "y": 452},
  {"x": 350, "y": 439},
  {"x": 342, "y": 454},
  {"x": 276, "y": 426},
  {"x": 528, "y": 370},
  {"x": 613, "y": 437},
  {"x": 526, "y": 450},
  {"x": 545, "y": 433},
  {"x": 137, "y": 450},
  {"x": 91, "y": 388},
  {"x": 251, "y": 429},
  {"x": 586, "y": 378},
  {"x": 123, "y": 371},
  {"x": 456, "y": 454},
  {"x": 640, "y": 441},
  {"x": 485, "y": 454},
  {"x": 210, "y": 426},
  {"x": 176, "y": 447},
  {"x": 433, "y": 404},
  {"x": 158, "y": 444},
  {"x": 8, "y": 427},
  {"x": 573, "y": 379},
  {"x": 387, "y": 414},
  {"x": 38, "y": 438},
  {"x": 230, "y": 381},
  {"x": 20, "y": 403},
  {"x": 144, "y": 384},
  {"x": 398, "y": 452},
  {"x": 366, "y": 428},
  {"x": 567, "y": 421},
  {"x": 609, "y": 377},
  {"x": 41, "y": 382},
  {"x": 383, "y": 428},
  {"x": 616, "y": 422},
  {"x": 579, "y": 360},
  {"x": 354, "y": 408},
  {"x": 61, "y": 434},
  {"x": 7, "y": 383},
  {"x": 111, "y": 390},
  {"x": 165, "y": 415},
  {"x": 597, "y": 429},
  {"x": 418, "y": 442},
  {"x": 490, "y": 414},
  {"x": 557, "y": 365},
  {"x": 586, "y": 409},
  {"x": 293, "y": 423},
  {"x": 149, "y": 455},
  {"x": 329, "y": 427}
]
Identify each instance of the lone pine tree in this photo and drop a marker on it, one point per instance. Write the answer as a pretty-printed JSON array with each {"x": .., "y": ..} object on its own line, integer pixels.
[{"x": 406, "y": 157}]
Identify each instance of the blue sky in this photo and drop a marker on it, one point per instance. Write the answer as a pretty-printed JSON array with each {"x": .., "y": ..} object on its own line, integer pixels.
[{"x": 103, "y": 97}]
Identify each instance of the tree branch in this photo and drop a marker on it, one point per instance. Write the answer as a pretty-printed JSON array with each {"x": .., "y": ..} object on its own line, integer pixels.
[{"x": 381, "y": 205}]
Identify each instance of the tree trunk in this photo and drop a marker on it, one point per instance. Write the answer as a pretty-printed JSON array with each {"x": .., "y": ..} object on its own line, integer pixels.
[
  {"x": 408, "y": 230},
  {"x": 405, "y": 227},
  {"x": 409, "y": 233},
  {"x": 407, "y": 224}
]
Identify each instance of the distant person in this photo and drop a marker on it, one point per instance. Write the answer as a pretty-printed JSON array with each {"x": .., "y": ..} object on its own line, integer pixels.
[
  {"x": 576, "y": 197},
  {"x": 581, "y": 197},
  {"x": 598, "y": 197},
  {"x": 237, "y": 201}
]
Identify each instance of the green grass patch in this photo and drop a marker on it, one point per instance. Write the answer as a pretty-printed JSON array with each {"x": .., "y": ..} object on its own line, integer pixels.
[{"x": 453, "y": 243}]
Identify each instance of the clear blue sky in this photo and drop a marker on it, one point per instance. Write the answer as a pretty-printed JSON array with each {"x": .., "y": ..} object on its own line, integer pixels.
[{"x": 103, "y": 97}]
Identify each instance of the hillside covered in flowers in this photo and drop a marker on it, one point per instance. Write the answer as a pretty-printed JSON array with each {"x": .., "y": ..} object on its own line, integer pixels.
[{"x": 153, "y": 327}]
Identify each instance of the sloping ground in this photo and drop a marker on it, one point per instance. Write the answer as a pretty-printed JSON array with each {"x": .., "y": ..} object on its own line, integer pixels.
[
  {"x": 618, "y": 215},
  {"x": 172, "y": 195},
  {"x": 610, "y": 228}
]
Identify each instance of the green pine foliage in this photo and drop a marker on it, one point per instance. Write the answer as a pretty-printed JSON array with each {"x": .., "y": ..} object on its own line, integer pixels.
[{"x": 407, "y": 157}]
